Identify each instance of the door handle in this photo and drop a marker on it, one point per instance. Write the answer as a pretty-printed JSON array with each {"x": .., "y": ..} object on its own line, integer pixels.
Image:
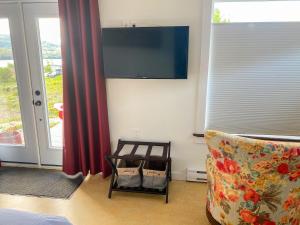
[{"x": 38, "y": 103}]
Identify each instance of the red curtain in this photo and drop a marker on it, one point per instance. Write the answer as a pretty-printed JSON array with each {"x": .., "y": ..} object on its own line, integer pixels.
[{"x": 86, "y": 130}]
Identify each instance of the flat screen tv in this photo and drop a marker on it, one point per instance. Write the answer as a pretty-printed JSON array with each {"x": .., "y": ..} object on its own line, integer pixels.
[{"x": 146, "y": 52}]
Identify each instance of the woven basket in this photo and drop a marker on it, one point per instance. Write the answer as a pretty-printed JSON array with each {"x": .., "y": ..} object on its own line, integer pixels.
[
  {"x": 129, "y": 173},
  {"x": 155, "y": 174}
]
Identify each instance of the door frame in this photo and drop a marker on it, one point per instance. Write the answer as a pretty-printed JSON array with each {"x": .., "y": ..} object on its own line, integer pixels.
[{"x": 27, "y": 54}]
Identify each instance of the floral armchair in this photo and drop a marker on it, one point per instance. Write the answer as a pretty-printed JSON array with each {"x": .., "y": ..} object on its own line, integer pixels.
[{"x": 252, "y": 182}]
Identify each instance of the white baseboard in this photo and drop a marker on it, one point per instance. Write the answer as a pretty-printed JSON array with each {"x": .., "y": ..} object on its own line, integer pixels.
[
  {"x": 30, "y": 165},
  {"x": 176, "y": 175}
]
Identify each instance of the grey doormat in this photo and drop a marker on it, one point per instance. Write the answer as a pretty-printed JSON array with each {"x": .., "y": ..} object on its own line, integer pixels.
[{"x": 37, "y": 182}]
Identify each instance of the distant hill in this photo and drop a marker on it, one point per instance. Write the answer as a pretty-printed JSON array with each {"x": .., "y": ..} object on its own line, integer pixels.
[
  {"x": 4, "y": 41},
  {"x": 5, "y": 47},
  {"x": 50, "y": 50}
]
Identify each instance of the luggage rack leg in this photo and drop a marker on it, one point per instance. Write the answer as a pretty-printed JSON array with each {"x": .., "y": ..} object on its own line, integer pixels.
[
  {"x": 169, "y": 178},
  {"x": 170, "y": 169},
  {"x": 167, "y": 192},
  {"x": 112, "y": 181},
  {"x": 111, "y": 184}
]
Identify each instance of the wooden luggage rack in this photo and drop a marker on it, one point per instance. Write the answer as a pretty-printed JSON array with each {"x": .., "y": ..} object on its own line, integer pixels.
[{"x": 132, "y": 156}]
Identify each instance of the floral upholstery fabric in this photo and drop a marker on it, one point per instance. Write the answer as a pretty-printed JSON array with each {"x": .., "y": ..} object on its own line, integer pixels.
[{"x": 253, "y": 182}]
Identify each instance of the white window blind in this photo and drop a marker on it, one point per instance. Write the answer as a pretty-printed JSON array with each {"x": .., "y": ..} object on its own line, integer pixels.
[{"x": 254, "y": 78}]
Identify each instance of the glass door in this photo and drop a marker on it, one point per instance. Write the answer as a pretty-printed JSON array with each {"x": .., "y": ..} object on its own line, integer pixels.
[
  {"x": 42, "y": 29},
  {"x": 18, "y": 141},
  {"x": 30, "y": 84}
]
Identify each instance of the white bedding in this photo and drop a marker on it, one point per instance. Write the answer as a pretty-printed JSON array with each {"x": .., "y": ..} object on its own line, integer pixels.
[{"x": 14, "y": 217}]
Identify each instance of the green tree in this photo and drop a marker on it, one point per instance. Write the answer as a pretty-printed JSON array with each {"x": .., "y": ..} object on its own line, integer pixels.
[
  {"x": 7, "y": 74},
  {"x": 5, "y": 54},
  {"x": 217, "y": 17},
  {"x": 48, "y": 68}
]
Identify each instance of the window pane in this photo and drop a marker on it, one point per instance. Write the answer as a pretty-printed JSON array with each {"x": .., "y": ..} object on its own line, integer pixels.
[
  {"x": 256, "y": 11},
  {"x": 11, "y": 131},
  {"x": 51, "y": 54}
]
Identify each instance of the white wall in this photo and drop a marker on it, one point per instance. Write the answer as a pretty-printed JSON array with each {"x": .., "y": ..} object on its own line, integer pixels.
[{"x": 158, "y": 109}]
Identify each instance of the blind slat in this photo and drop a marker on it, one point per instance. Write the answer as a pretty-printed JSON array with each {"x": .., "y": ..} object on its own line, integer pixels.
[{"x": 254, "y": 78}]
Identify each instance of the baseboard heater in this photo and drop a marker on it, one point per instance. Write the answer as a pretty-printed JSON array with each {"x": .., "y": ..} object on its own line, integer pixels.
[{"x": 195, "y": 175}]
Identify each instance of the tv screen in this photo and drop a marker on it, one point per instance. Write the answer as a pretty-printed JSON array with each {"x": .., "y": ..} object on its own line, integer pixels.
[{"x": 146, "y": 52}]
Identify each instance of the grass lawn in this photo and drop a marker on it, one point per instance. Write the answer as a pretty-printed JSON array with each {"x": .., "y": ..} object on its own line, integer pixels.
[{"x": 54, "y": 92}]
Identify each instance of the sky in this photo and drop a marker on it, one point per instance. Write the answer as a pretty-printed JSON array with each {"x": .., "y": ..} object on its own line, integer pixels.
[
  {"x": 4, "y": 27},
  {"x": 49, "y": 29},
  {"x": 264, "y": 11}
]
